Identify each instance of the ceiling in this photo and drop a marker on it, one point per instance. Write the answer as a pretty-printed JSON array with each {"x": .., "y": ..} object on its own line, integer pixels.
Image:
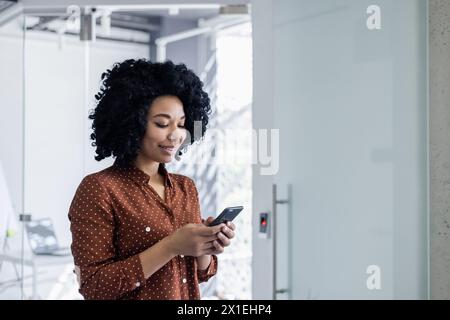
[
  {"x": 183, "y": 14},
  {"x": 145, "y": 19}
]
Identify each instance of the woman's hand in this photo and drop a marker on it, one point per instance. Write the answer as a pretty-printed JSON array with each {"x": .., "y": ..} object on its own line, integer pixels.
[
  {"x": 194, "y": 239},
  {"x": 223, "y": 237}
]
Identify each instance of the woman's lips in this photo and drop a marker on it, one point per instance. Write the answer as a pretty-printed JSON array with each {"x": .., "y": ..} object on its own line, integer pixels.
[{"x": 167, "y": 149}]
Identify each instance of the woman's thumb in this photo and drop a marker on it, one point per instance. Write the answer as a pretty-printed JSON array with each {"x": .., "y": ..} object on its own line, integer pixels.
[{"x": 208, "y": 220}]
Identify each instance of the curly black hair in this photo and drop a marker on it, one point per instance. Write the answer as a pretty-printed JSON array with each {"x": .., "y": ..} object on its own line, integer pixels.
[{"x": 126, "y": 93}]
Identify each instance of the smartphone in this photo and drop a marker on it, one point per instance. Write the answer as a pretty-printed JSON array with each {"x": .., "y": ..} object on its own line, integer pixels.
[{"x": 228, "y": 214}]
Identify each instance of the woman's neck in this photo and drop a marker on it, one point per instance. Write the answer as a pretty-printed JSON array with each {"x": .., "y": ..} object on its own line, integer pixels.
[{"x": 150, "y": 167}]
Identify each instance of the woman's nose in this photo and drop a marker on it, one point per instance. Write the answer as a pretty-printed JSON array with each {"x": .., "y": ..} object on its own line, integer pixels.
[{"x": 173, "y": 136}]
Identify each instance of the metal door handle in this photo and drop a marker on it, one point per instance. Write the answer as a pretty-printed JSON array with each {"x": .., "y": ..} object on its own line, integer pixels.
[{"x": 275, "y": 203}]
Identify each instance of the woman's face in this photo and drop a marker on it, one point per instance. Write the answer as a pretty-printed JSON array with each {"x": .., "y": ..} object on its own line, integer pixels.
[{"x": 165, "y": 129}]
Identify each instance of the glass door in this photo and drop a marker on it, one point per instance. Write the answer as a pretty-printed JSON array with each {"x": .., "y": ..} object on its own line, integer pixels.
[{"x": 350, "y": 103}]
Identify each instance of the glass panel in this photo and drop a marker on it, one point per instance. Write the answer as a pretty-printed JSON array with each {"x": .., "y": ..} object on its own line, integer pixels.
[
  {"x": 112, "y": 44},
  {"x": 11, "y": 147},
  {"x": 351, "y": 107},
  {"x": 54, "y": 118},
  {"x": 62, "y": 73},
  {"x": 70, "y": 55},
  {"x": 234, "y": 149}
]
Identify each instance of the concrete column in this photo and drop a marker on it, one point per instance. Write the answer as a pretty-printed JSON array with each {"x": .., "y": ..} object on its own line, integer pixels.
[{"x": 439, "y": 68}]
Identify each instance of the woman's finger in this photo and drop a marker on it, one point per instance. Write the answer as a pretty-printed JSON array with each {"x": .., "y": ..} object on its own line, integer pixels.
[
  {"x": 208, "y": 249},
  {"x": 212, "y": 247},
  {"x": 225, "y": 242},
  {"x": 231, "y": 225},
  {"x": 217, "y": 246},
  {"x": 227, "y": 232},
  {"x": 208, "y": 245},
  {"x": 207, "y": 221}
]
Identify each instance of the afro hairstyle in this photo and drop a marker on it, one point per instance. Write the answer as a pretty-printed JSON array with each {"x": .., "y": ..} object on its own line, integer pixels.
[{"x": 126, "y": 93}]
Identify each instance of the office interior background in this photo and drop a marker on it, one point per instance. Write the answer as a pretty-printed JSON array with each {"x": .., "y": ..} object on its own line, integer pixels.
[{"x": 330, "y": 127}]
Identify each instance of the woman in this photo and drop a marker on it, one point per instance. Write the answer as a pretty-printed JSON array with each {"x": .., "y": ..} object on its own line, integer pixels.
[{"x": 137, "y": 231}]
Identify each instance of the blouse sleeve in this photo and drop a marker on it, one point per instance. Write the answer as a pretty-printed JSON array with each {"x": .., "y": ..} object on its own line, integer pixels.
[
  {"x": 203, "y": 275},
  {"x": 100, "y": 274}
]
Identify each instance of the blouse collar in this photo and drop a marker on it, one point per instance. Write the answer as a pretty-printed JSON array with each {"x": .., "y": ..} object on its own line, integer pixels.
[{"x": 141, "y": 177}]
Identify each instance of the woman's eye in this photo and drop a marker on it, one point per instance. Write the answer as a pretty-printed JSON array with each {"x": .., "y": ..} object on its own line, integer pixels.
[
  {"x": 181, "y": 126},
  {"x": 161, "y": 125}
]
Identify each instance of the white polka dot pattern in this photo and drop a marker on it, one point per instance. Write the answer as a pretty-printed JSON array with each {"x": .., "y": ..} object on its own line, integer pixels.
[{"x": 115, "y": 214}]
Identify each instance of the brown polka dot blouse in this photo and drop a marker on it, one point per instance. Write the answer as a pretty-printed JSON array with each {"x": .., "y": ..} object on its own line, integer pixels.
[{"x": 115, "y": 214}]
